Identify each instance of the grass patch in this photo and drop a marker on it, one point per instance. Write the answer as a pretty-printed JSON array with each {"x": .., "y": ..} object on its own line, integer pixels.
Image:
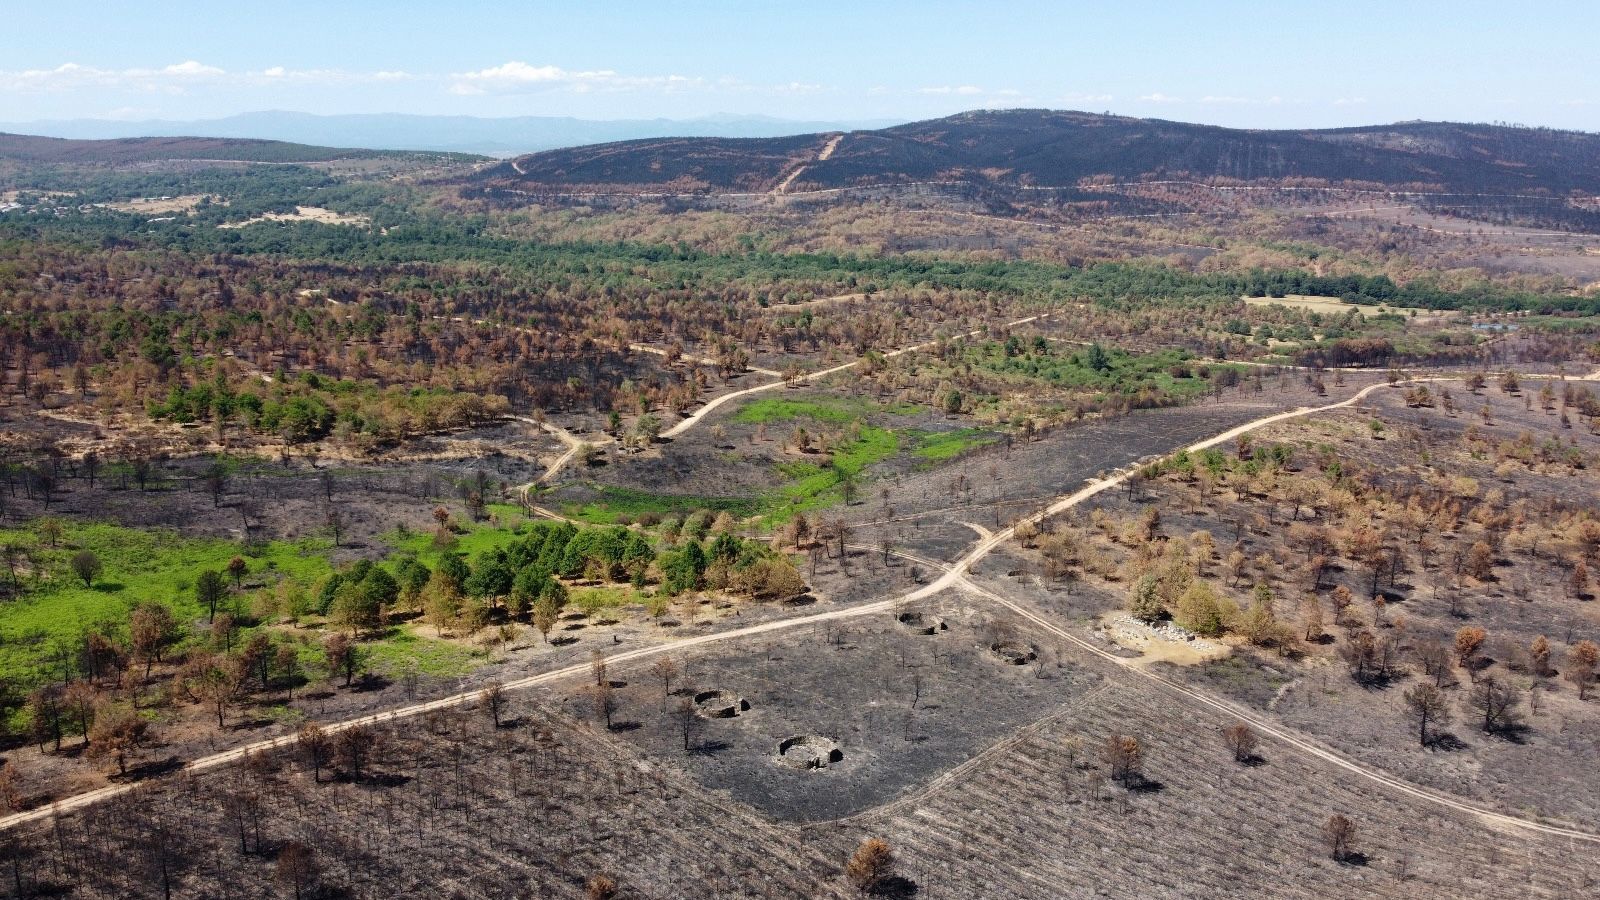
[
  {"x": 834, "y": 411},
  {"x": 499, "y": 529},
  {"x": 616, "y": 502},
  {"x": 404, "y": 649},
  {"x": 606, "y": 596},
  {"x": 934, "y": 447},
  {"x": 54, "y": 607},
  {"x": 813, "y": 486},
  {"x": 475, "y": 541}
]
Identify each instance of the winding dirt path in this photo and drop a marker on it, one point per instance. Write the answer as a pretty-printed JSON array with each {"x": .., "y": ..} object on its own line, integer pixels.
[
  {"x": 703, "y": 360},
  {"x": 694, "y": 418},
  {"x": 573, "y": 443}
]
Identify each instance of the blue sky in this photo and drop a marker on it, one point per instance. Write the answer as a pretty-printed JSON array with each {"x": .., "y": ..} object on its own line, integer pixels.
[{"x": 1260, "y": 64}]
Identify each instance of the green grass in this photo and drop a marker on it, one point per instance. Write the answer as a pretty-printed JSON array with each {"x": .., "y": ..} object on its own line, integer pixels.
[
  {"x": 834, "y": 411},
  {"x": 138, "y": 566},
  {"x": 935, "y": 447},
  {"x": 500, "y": 529},
  {"x": 616, "y": 502},
  {"x": 812, "y": 486},
  {"x": 808, "y": 486},
  {"x": 607, "y": 596},
  {"x": 404, "y": 649},
  {"x": 473, "y": 542},
  {"x": 508, "y": 514}
]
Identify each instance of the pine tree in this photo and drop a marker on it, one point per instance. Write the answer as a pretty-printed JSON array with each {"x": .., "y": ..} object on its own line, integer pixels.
[{"x": 1144, "y": 601}]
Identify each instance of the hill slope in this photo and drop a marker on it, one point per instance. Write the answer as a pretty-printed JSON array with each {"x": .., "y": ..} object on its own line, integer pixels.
[
  {"x": 1050, "y": 148},
  {"x": 33, "y": 150}
]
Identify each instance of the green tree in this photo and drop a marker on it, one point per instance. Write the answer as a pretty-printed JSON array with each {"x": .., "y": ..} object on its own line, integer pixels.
[
  {"x": 1201, "y": 611},
  {"x": 356, "y": 608},
  {"x": 453, "y": 567},
  {"x": 683, "y": 569},
  {"x": 526, "y": 588},
  {"x": 1144, "y": 600},
  {"x": 1095, "y": 358},
  {"x": 441, "y": 600},
  {"x": 491, "y": 578},
  {"x": 1260, "y": 621}
]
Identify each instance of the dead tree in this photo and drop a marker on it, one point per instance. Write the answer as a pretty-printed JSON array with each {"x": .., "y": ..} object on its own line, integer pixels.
[
  {"x": 1339, "y": 833},
  {"x": 1242, "y": 741},
  {"x": 493, "y": 699}
]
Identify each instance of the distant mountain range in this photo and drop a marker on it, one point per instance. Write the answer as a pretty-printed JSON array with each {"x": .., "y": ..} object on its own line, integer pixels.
[
  {"x": 458, "y": 134},
  {"x": 1044, "y": 148},
  {"x": 31, "y": 150}
]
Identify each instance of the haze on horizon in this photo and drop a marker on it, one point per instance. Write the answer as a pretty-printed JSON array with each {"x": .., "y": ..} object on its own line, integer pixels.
[{"x": 1302, "y": 66}]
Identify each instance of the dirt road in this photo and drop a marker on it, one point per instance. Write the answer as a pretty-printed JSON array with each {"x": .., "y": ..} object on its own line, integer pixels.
[
  {"x": 703, "y": 360},
  {"x": 827, "y": 153},
  {"x": 572, "y": 442}
]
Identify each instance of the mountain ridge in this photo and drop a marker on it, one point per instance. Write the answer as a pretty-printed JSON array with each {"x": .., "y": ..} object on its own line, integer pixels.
[{"x": 1061, "y": 148}]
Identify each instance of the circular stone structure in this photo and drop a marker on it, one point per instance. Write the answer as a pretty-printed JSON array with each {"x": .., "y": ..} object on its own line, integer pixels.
[
  {"x": 1015, "y": 654},
  {"x": 922, "y": 624},
  {"x": 719, "y": 704},
  {"x": 809, "y": 751}
]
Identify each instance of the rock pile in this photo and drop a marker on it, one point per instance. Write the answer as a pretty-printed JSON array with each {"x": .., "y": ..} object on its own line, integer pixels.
[{"x": 1125, "y": 629}]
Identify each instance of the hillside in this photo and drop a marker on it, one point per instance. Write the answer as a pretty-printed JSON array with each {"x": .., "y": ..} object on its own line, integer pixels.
[
  {"x": 1050, "y": 148},
  {"x": 497, "y": 136},
  {"x": 34, "y": 150}
]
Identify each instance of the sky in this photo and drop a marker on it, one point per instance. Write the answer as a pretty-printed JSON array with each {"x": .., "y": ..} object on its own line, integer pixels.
[{"x": 1289, "y": 63}]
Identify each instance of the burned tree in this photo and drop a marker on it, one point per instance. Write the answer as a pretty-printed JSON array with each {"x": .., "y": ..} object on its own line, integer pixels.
[
  {"x": 1427, "y": 707},
  {"x": 1242, "y": 741},
  {"x": 1124, "y": 758},
  {"x": 1339, "y": 834},
  {"x": 870, "y": 865}
]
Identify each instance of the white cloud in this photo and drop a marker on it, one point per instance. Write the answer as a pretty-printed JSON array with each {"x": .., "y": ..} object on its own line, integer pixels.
[
  {"x": 964, "y": 90},
  {"x": 281, "y": 75},
  {"x": 73, "y": 76},
  {"x": 520, "y": 77},
  {"x": 1350, "y": 101},
  {"x": 190, "y": 69},
  {"x": 1225, "y": 100},
  {"x": 1159, "y": 97},
  {"x": 1075, "y": 97}
]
